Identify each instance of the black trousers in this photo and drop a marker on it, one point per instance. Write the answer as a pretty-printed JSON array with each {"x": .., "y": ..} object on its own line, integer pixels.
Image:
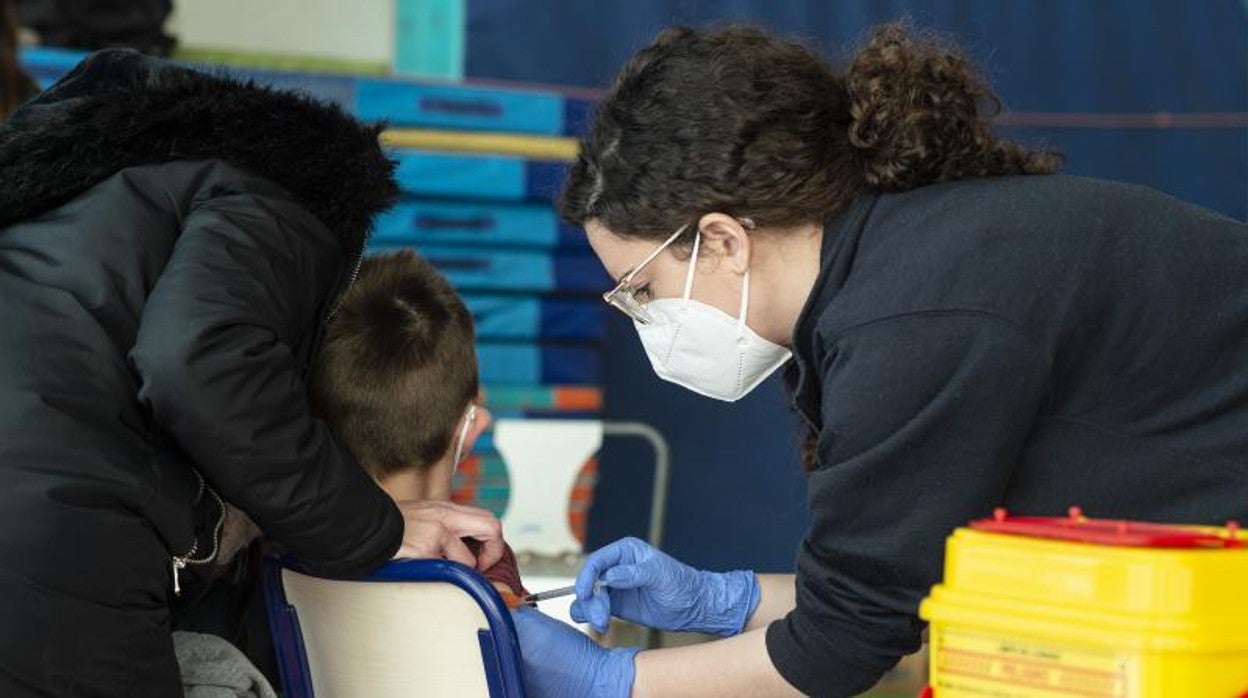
[{"x": 84, "y": 601}]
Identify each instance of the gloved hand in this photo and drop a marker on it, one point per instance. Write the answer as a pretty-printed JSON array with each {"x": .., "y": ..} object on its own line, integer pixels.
[
  {"x": 645, "y": 586},
  {"x": 562, "y": 662}
]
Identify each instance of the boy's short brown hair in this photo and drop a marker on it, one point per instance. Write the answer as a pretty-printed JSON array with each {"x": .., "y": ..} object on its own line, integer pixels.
[{"x": 398, "y": 366}]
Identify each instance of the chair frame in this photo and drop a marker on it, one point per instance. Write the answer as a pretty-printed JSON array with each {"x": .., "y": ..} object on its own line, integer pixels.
[{"x": 500, "y": 651}]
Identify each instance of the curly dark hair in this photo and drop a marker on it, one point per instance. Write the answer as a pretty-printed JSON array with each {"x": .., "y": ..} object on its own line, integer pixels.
[{"x": 742, "y": 122}]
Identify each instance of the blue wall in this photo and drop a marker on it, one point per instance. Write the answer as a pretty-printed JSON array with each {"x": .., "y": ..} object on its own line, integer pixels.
[{"x": 1083, "y": 75}]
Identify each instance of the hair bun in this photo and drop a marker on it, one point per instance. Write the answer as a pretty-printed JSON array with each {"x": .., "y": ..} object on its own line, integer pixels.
[{"x": 920, "y": 113}]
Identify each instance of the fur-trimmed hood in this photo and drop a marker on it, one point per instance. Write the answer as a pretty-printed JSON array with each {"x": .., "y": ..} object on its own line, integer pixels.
[{"x": 120, "y": 109}]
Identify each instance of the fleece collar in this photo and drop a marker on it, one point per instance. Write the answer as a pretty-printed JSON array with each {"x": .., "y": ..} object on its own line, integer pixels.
[{"x": 120, "y": 109}]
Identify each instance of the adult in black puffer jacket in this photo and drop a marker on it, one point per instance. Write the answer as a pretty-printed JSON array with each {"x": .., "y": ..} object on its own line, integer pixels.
[{"x": 171, "y": 245}]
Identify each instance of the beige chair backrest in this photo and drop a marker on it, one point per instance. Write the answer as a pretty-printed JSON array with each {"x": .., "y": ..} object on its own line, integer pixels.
[{"x": 383, "y": 639}]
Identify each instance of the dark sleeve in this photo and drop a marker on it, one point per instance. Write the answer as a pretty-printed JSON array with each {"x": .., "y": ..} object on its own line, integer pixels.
[
  {"x": 923, "y": 419},
  {"x": 246, "y": 282},
  {"x": 506, "y": 571}
]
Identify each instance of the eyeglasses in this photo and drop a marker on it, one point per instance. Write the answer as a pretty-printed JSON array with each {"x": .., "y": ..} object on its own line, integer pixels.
[
  {"x": 470, "y": 418},
  {"x": 624, "y": 296}
]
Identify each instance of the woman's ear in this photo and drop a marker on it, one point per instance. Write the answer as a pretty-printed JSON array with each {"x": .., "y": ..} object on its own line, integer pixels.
[{"x": 728, "y": 238}]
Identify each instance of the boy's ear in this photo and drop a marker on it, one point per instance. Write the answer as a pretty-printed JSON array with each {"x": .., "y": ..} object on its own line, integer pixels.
[{"x": 479, "y": 425}]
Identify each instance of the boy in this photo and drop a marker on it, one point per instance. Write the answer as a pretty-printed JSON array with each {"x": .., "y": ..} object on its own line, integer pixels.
[{"x": 397, "y": 384}]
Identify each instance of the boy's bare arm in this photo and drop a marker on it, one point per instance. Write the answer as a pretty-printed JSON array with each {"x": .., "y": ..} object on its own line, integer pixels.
[{"x": 778, "y": 597}]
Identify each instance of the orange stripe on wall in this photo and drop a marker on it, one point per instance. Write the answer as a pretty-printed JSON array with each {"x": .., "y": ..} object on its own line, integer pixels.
[{"x": 572, "y": 398}]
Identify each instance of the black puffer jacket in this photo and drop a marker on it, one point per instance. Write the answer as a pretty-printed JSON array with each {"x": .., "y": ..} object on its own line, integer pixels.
[{"x": 171, "y": 244}]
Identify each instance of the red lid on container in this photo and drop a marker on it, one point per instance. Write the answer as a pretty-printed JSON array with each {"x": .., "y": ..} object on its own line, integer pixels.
[{"x": 1132, "y": 534}]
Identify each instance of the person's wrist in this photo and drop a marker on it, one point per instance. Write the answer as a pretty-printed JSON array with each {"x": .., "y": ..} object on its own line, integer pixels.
[
  {"x": 616, "y": 673},
  {"x": 753, "y": 595},
  {"x": 728, "y": 601}
]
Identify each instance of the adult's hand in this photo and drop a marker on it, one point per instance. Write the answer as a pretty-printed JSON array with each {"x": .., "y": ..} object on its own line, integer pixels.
[
  {"x": 433, "y": 529},
  {"x": 643, "y": 585},
  {"x": 561, "y": 662}
]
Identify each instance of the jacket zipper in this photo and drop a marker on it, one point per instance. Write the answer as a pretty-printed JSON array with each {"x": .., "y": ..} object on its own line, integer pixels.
[
  {"x": 355, "y": 273},
  {"x": 307, "y": 358},
  {"x": 180, "y": 562}
]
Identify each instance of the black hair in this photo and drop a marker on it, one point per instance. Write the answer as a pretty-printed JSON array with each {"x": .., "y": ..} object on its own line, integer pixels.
[{"x": 398, "y": 366}]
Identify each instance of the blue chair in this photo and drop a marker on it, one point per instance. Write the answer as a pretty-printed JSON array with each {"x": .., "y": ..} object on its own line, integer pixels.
[{"x": 411, "y": 628}]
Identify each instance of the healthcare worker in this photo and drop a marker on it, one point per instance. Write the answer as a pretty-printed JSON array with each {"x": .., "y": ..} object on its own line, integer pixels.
[
  {"x": 963, "y": 329},
  {"x": 171, "y": 246}
]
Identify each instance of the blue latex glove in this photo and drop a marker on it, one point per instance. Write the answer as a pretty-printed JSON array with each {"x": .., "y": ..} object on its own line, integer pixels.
[
  {"x": 562, "y": 662},
  {"x": 645, "y": 586}
]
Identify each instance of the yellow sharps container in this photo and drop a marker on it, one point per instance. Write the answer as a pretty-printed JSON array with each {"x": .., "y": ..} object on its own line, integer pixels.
[{"x": 1048, "y": 607}]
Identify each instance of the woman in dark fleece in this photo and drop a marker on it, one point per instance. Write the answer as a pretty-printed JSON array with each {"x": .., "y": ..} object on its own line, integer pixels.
[
  {"x": 962, "y": 327},
  {"x": 171, "y": 245}
]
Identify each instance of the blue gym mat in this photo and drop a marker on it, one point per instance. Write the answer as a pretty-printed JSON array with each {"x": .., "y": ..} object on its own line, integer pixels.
[
  {"x": 466, "y": 176},
  {"x": 533, "y": 363},
  {"x": 473, "y": 223},
  {"x": 400, "y": 101},
  {"x": 523, "y": 317},
  {"x": 479, "y": 269}
]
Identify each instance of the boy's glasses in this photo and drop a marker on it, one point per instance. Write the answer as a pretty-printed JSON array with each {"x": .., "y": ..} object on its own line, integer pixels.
[
  {"x": 470, "y": 418},
  {"x": 624, "y": 296}
]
